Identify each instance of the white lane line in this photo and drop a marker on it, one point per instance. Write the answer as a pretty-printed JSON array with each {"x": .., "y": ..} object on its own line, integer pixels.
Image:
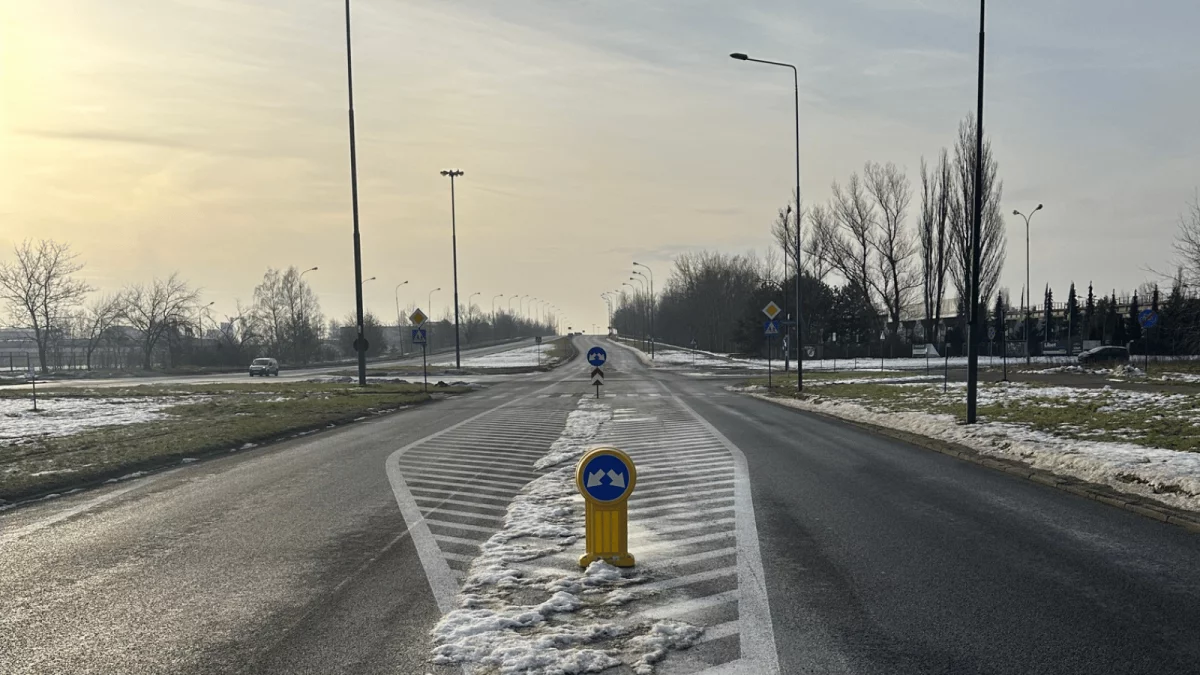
[
  {"x": 457, "y": 556},
  {"x": 721, "y": 630},
  {"x": 689, "y": 579},
  {"x": 684, "y": 516},
  {"x": 754, "y": 611},
  {"x": 664, "y": 508},
  {"x": 684, "y": 498},
  {"x": 471, "y": 470},
  {"x": 700, "y": 557},
  {"x": 442, "y": 580},
  {"x": 457, "y": 491},
  {"x": 670, "y": 485},
  {"x": 463, "y": 502},
  {"x": 459, "y": 526},
  {"x": 694, "y": 526},
  {"x": 677, "y": 609},
  {"x": 462, "y": 514},
  {"x": 447, "y": 539},
  {"x": 688, "y": 541},
  {"x": 474, "y": 476},
  {"x": 495, "y": 464}
]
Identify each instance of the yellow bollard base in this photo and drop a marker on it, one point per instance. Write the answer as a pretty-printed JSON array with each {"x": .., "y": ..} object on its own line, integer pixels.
[{"x": 614, "y": 559}]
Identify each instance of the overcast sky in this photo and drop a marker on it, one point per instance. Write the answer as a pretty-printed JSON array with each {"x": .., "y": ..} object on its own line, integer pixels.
[{"x": 210, "y": 136}]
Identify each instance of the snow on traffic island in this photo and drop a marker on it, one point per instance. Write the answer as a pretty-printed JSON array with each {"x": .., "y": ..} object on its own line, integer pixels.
[
  {"x": 64, "y": 416},
  {"x": 1168, "y": 476},
  {"x": 520, "y": 610}
]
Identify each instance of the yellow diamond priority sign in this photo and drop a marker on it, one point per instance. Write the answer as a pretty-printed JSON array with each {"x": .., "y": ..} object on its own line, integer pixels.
[
  {"x": 772, "y": 310},
  {"x": 418, "y": 317}
]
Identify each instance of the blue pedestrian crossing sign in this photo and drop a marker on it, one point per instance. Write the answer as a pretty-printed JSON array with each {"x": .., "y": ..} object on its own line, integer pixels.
[
  {"x": 418, "y": 336},
  {"x": 770, "y": 328},
  {"x": 606, "y": 476},
  {"x": 1147, "y": 317},
  {"x": 597, "y": 356}
]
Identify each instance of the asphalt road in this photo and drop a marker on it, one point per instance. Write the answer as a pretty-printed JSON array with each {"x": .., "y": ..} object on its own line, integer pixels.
[{"x": 876, "y": 556}]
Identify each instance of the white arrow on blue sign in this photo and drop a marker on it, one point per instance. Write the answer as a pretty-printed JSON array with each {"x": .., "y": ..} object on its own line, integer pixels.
[
  {"x": 1147, "y": 317},
  {"x": 606, "y": 478},
  {"x": 597, "y": 356}
]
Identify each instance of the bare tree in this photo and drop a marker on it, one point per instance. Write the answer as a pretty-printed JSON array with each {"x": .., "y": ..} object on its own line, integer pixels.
[
  {"x": 818, "y": 243},
  {"x": 851, "y": 245},
  {"x": 993, "y": 241},
  {"x": 936, "y": 191},
  {"x": 1187, "y": 243},
  {"x": 289, "y": 314},
  {"x": 97, "y": 319},
  {"x": 893, "y": 241},
  {"x": 40, "y": 290},
  {"x": 156, "y": 310}
]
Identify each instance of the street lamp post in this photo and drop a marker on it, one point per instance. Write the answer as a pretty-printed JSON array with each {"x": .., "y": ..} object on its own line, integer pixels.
[
  {"x": 1028, "y": 337},
  {"x": 498, "y": 295},
  {"x": 469, "y": 312},
  {"x": 304, "y": 358},
  {"x": 652, "y": 303},
  {"x": 799, "y": 306},
  {"x": 399, "y": 331},
  {"x": 359, "y": 343},
  {"x": 430, "y": 313},
  {"x": 976, "y": 229},
  {"x": 453, "y": 173}
]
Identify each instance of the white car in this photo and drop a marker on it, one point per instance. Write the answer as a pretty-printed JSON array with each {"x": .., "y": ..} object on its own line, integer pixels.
[{"x": 264, "y": 367}]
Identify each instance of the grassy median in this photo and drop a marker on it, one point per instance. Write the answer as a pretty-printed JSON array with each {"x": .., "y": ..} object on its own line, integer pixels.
[
  {"x": 182, "y": 422},
  {"x": 1149, "y": 418}
]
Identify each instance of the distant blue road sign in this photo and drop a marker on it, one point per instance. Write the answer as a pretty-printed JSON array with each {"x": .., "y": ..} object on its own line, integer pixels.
[
  {"x": 418, "y": 336},
  {"x": 770, "y": 328},
  {"x": 597, "y": 356},
  {"x": 991, "y": 332},
  {"x": 1147, "y": 317},
  {"x": 606, "y": 478}
]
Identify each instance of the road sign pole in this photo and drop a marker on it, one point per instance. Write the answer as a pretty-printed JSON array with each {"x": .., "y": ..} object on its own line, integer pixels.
[
  {"x": 425, "y": 367},
  {"x": 768, "y": 363}
]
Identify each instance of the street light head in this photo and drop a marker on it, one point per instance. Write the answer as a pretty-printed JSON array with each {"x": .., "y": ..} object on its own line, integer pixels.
[
  {"x": 1039, "y": 208},
  {"x": 1016, "y": 212},
  {"x": 739, "y": 56},
  {"x": 451, "y": 172}
]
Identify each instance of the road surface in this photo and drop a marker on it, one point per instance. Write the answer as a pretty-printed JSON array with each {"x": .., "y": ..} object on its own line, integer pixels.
[{"x": 800, "y": 544}]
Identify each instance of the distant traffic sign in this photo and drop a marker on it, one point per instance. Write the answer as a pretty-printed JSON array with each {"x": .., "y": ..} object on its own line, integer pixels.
[
  {"x": 538, "y": 339},
  {"x": 597, "y": 376},
  {"x": 418, "y": 317},
  {"x": 770, "y": 328},
  {"x": 772, "y": 310},
  {"x": 362, "y": 344},
  {"x": 597, "y": 356},
  {"x": 693, "y": 343},
  {"x": 418, "y": 336},
  {"x": 991, "y": 332},
  {"x": 1147, "y": 317}
]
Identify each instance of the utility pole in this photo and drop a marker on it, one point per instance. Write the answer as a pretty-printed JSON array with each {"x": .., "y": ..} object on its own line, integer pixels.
[
  {"x": 453, "y": 173},
  {"x": 976, "y": 229},
  {"x": 360, "y": 344}
]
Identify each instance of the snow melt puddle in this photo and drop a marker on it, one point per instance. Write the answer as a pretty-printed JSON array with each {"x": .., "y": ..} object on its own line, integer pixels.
[
  {"x": 518, "y": 615},
  {"x": 67, "y": 415}
]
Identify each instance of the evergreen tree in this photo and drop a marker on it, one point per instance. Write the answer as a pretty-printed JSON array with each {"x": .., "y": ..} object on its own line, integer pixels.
[
  {"x": 1089, "y": 314},
  {"x": 1111, "y": 321},
  {"x": 1133, "y": 327},
  {"x": 1048, "y": 332},
  {"x": 998, "y": 317},
  {"x": 1072, "y": 313},
  {"x": 1154, "y": 300}
]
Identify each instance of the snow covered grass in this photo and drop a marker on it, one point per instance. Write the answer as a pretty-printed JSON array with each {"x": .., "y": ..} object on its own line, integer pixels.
[
  {"x": 519, "y": 613},
  {"x": 89, "y": 435},
  {"x": 546, "y": 355},
  {"x": 1142, "y": 442}
]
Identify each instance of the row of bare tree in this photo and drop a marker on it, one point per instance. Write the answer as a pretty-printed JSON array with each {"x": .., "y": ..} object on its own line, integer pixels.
[{"x": 863, "y": 236}]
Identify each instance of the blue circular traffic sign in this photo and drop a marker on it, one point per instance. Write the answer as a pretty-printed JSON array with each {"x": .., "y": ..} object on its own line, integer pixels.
[
  {"x": 1147, "y": 317},
  {"x": 597, "y": 356},
  {"x": 606, "y": 475}
]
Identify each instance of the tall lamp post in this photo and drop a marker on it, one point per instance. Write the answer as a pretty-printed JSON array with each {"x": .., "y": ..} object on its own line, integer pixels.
[
  {"x": 454, "y": 173},
  {"x": 360, "y": 343},
  {"x": 469, "y": 312},
  {"x": 799, "y": 307},
  {"x": 498, "y": 295},
  {"x": 647, "y": 268},
  {"x": 399, "y": 330},
  {"x": 976, "y": 228},
  {"x": 316, "y": 335},
  {"x": 1028, "y": 337}
]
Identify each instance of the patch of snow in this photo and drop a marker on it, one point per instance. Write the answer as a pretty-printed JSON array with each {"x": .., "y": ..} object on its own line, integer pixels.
[
  {"x": 128, "y": 476},
  {"x": 1170, "y": 476},
  {"x": 579, "y": 626},
  {"x": 247, "y": 445},
  {"x": 1179, "y": 377},
  {"x": 64, "y": 416},
  {"x": 522, "y": 357}
]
